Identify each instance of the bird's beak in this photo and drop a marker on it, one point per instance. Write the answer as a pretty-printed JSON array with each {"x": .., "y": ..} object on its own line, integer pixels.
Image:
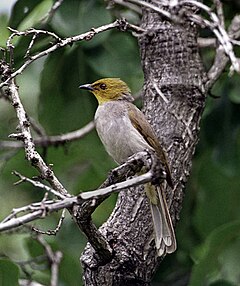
[{"x": 86, "y": 86}]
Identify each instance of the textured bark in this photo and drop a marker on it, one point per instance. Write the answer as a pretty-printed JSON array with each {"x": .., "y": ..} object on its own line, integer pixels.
[
  {"x": 172, "y": 64},
  {"x": 170, "y": 60}
]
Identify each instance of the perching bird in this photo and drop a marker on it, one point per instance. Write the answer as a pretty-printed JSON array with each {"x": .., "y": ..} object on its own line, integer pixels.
[{"x": 124, "y": 131}]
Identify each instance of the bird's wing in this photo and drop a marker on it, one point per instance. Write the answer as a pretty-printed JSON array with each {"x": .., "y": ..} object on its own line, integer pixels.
[{"x": 139, "y": 121}]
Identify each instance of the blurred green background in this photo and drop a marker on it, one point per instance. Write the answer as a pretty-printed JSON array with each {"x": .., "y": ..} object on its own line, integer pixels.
[{"x": 208, "y": 233}]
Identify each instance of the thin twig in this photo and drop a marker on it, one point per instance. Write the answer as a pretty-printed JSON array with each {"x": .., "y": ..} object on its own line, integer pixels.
[
  {"x": 215, "y": 24},
  {"x": 37, "y": 127},
  {"x": 207, "y": 42},
  {"x": 52, "y": 11},
  {"x": 54, "y": 231},
  {"x": 121, "y": 24},
  {"x": 34, "y": 32},
  {"x": 219, "y": 10},
  {"x": 25, "y": 136},
  {"x": 46, "y": 141},
  {"x": 221, "y": 58},
  {"x": 216, "y": 27},
  {"x": 38, "y": 210},
  {"x": 145, "y": 178},
  {"x": 34, "y": 37},
  {"x": 53, "y": 257},
  {"x": 29, "y": 208},
  {"x": 38, "y": 185}
]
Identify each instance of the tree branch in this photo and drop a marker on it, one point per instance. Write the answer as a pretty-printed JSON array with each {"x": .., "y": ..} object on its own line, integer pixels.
[
  {"x": 25, "y": 136},
  {"x": 173, "y": 103},
  {"x": 221, "y": 59},
  {"x": 46, "y": 141},
  {"x": 38, "y": 210},
  {"x": 54, "y": 259},
  {"x": 121, "y": 24},
  {"x": 38, "y": 185},
  {"x": 83, "y": 205},
  {"x": 52, "y": 231},
  {"x": 52, "y": 11},
  {"x": 215, "y": 24}
]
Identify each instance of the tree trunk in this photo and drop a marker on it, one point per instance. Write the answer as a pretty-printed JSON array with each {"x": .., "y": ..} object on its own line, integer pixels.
[{"x": 173, "y": 103}]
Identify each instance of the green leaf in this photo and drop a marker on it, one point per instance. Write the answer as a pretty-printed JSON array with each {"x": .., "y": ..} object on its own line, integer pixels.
[
  {"x": 218, "y": 196},
  {"x": 66, "y": 20},
  {"x": 76, "y": 17},
  {"x": 24, "y": 12},
  {"x": 4, "y": 31},
  {"x": 35, "y": 249},
  {"x": 228, "y": 87},
  {"x": 117, "y": 58},
  {"x": 70, "y": 272},
  {"x": 63, "y": 107},
  {"x": 102, "y": 213},
  {"x": 9, "y": 273},
  {"x": 220, "y": 258},
  {"x": 221, "y": 130},
  {"x": 34, "y": 18}
]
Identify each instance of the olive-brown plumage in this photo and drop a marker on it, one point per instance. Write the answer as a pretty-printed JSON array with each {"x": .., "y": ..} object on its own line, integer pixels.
[{"x": 124, "y": 131}]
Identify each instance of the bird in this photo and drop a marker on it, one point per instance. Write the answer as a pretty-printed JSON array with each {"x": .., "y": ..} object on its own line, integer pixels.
[{"x": 124, "y": 131}]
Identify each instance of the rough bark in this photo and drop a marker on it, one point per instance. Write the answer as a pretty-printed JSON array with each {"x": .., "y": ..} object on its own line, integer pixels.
[
  {"x": 171, "y": 64},
  {"x": 171, "y": 61}
]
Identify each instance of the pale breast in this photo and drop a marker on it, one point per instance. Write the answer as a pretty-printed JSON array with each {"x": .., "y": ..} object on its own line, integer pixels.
[{"x": 116, "y": 131}]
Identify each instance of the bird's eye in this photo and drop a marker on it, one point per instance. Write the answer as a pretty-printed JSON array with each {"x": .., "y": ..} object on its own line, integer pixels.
[{"x": 103, "y": 86}]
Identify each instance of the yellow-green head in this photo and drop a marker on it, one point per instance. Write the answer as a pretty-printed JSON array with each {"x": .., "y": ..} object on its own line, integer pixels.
[{"x": 108, "y": 89}]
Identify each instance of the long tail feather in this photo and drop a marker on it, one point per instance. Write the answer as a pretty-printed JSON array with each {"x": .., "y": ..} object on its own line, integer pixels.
[{"x": 164, "y": 233}]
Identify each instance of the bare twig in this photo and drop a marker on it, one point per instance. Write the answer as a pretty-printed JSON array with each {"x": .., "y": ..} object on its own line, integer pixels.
[
  {"x": 133, "y": 165},
  {"x": 121, "y": 24},
  {"x": 52, "y": 11},
  {"x": 37, "y": 127},
  {"x": 34, "y": 37},
  {"x": 83, "y": 205},
  {"x": 235, "y": 42},
  {"x": 25, "y": 136},
  {"x": 54, "y": 231},
  {"x": 5, "y": 144},
  {"x": 29, "y": 208},
  {"x": 221, "y": 58},
  {"x": 215, "y": 24},
  {"x": 83, "y": 217},
  {"x": 145, "y": 178},
  {"x": 234, "y": 28},
  {"x": 54, "y": 259},
  {"x": 216, "y": 27},
  {"x": 38, "y": 210},
  {"x": 38, "y": 185},
  {"x": 68, "y": 137},
  {"x": 34, "y": 32},
  {"x": 219, "y": 10},
  {"x": 35, "y": 211},
  {"x": 46, "y": 141},
  {"x": 207, "y": 42}
]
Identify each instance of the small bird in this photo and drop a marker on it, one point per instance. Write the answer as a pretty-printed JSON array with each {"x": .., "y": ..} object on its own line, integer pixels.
[{"x": 124, "y": 131}]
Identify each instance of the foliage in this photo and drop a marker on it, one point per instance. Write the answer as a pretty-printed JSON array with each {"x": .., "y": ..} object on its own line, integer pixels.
[{"x": 208, "y": 232}]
